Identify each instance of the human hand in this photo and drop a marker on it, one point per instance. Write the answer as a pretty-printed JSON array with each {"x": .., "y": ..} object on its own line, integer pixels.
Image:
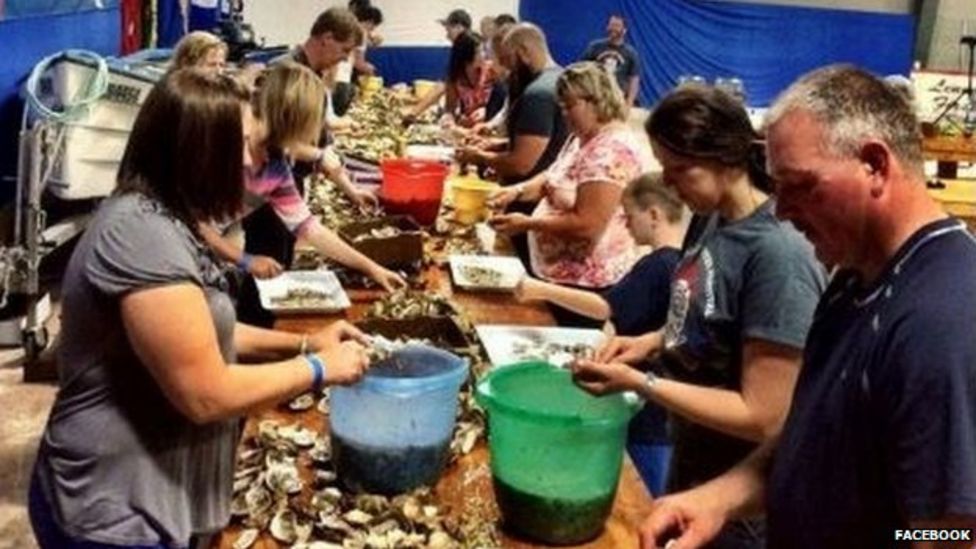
[
  {"x": 528, "y": 289},
  {"x": 334, "y": 334},
  {"x": 601, "y": 378},
  {"x": 685, "y": 520},
  {"x": 365, "y": 198},
  {"x": 389, "y": 280},
  {"x": 263, "y": 267},
  {"x": 627, "y": 349},
  {"x": 345, "y": 363},
  {"x": 513, "y": 223},
  {"x": 469, "y": 155},
  {"x": 500, "y": 199}
]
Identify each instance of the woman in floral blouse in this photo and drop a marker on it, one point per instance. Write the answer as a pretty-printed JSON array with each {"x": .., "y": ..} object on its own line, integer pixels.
[{"x": 577, "y": 233}]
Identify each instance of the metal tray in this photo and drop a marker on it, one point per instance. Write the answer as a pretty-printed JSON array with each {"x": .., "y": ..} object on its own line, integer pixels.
[
  {"x": 510, "y": 270},
  {"x": 320, "y": 281},
  {"x": 503, "y": 342}
]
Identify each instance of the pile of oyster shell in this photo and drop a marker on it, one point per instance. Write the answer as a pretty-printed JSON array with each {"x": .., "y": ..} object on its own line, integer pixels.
[
  {"x": 269, "y": 494},
  {"x": 327, "y": 201},
  {"x": 380, "y": 131}
]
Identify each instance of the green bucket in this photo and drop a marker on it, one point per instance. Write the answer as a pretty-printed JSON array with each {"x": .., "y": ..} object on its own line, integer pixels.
[{"x": 556, "y": 451}]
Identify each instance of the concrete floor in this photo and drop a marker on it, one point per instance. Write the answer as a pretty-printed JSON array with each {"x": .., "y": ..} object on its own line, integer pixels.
[{"x": 24, "y": 409}]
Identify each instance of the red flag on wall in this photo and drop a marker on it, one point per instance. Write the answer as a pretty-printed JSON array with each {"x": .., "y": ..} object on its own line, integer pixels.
[{"x": 131, "y": 25}]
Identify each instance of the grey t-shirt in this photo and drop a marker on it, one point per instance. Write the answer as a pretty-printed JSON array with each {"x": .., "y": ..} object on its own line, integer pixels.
[
  {"x": 621, "y": 62},
  {"x": 537, "y": 113},
  {"x": 755, "y": 278},
  {"x": 118, "y": 463}
]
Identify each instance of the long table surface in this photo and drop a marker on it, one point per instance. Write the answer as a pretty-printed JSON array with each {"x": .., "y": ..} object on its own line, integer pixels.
[{"x": 469, "y": 479}]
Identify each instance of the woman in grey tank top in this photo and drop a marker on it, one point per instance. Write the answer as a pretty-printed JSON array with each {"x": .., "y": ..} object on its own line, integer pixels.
[{"x": 139, "y": 447}]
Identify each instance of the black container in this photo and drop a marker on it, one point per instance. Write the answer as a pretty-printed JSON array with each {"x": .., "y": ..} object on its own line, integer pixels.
[
  {"x": 401, "y": 251},
  {"x": 442, "y": 332}
]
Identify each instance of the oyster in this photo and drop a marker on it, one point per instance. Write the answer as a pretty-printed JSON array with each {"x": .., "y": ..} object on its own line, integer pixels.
[
  {"x": 246, "y": 539},
  {"x": 298, "y": 435},
  {"x": 302, "y": 402},
  {"x": 286, "y": 527}
]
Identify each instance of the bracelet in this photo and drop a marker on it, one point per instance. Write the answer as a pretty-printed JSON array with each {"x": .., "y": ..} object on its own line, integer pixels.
[
  {"x": 244, "y": 263},
  {"x": 317, "y": 365},
  {"x": 303, "y": 346},
  {"x": 652, "y": 379}
]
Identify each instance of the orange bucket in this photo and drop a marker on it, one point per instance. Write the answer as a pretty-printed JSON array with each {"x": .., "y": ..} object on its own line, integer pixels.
[{"x": 413, "y": 187}]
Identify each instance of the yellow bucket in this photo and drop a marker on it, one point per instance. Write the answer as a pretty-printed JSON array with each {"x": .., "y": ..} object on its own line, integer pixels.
[
  {"x": 370, "y": 84},
  {"x": 471, "y": 198},
  {"x": 422, "y": 87}
]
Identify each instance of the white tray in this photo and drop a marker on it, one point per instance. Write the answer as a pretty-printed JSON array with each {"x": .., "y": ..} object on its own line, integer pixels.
[
  {"x": 511, "y": 270},
  {"x": 503, "y": 342},
  {"x": 322, "y": 281}
]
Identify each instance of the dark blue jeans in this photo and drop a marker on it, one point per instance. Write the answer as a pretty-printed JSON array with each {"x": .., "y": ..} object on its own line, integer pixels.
[{"x": 50, "y": 536}]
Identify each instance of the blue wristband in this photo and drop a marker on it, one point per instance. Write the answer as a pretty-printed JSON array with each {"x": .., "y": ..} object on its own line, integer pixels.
[
  {"x": 244, "y": 263},
  {"x": 317, "y": 365}
]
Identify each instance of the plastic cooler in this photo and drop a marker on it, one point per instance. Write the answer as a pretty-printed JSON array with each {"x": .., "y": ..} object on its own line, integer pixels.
[
  {"x": 413, "y": 187},
  {"x": 556, "y": 451}
]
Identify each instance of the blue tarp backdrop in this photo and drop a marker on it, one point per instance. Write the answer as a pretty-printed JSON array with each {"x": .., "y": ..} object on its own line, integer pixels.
[{"x": 765, "y": 45}]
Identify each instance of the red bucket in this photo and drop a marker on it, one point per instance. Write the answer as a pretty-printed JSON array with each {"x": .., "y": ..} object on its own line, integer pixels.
[{"x": 413, "y": 187}]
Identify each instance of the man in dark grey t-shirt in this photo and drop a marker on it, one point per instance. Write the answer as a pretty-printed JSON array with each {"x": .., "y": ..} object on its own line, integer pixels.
[
  {"x": 536, "y": 129},
  {"x": 617, "y": 58}
]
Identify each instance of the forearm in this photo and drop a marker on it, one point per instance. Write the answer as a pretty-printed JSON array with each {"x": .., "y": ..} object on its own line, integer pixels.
[
  {"x": 589, "y": 304},
  {"x": 241, "y": 389},
  {"x": 253, "y": 343},
  {"x": 569, "y": 224},
  {"x": 224, "y": 249},
  {"x": 506, "y": 164},
  {"x": 720, "y": 409},
  {"x": 632, "y": 90},
  {"x": 531, "y": 189},
  {"x": 427, "y": 101},
  {"x": 741, "y": 492},
  {"x": 341, "y": 178},
  {"x": 305, "y": 152},
  {"x": 330, "y": 245}
]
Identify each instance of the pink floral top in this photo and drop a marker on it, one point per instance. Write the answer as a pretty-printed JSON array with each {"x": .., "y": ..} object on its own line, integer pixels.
[{"x": 615, "y": 155}]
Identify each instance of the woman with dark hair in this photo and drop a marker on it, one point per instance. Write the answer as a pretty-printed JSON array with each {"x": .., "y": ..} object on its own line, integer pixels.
[
  {"x": 472, "y": 94},
  {"x": 742, "y": 300},
  {"x": 139, "y": 447}
]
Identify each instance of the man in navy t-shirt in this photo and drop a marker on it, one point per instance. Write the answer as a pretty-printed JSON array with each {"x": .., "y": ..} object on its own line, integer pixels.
[
  {"x": 879, "y": 446},
  {"x": 617, "y": 57}
]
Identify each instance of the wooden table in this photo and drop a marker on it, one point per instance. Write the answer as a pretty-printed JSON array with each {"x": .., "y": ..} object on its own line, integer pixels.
[
  {"x": 949, "y": 149},
  {"x": 949, "y": 152},
  {"x": 469, "y": 479},
  {"x": 958, "y": 198}
]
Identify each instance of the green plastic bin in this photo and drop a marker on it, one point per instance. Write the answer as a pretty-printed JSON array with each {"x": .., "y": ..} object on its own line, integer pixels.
[{"x": 556, "y": 451}]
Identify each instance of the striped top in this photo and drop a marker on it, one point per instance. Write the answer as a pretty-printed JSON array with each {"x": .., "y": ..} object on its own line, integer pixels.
[{"x": 274, "y": 184}]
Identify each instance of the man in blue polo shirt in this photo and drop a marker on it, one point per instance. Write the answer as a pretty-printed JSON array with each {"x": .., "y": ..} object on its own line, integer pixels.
[{"x": 879, "y": 447}]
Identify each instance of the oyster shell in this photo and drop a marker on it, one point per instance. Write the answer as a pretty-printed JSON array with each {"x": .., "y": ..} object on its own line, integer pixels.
[
  {"x": 302, "y": 402},
  {"x": 246, "y": 538}
]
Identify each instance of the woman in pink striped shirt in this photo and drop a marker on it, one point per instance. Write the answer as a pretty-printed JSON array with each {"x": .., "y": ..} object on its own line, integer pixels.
[{"x": 287, "y": 115}]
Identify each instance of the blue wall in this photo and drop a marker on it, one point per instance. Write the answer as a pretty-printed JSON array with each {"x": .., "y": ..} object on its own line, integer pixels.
[
  {"x": 767, "y": 46},
  {"x": 26, "y": 41}
]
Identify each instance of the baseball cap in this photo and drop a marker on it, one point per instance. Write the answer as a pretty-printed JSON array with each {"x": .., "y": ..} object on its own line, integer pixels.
[{"x": 457, "y": 17}]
